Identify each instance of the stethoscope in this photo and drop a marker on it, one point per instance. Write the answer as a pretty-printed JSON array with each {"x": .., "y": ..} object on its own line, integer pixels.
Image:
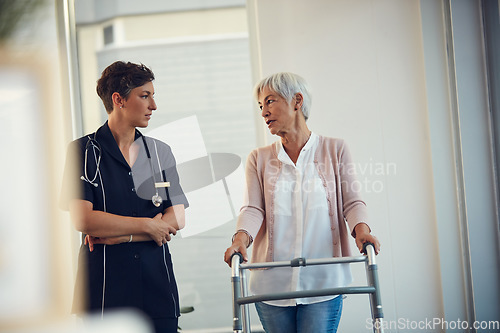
[{"x": 93, "y": 144}]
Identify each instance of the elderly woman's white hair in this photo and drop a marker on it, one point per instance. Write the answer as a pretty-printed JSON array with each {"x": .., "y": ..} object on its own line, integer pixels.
[{"x": 287, "y": 85}]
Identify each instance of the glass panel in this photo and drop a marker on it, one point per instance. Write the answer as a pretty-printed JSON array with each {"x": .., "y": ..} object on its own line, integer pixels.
[
  {"x": 491, "y": 21},
  {"x": 201, "y": 60}
]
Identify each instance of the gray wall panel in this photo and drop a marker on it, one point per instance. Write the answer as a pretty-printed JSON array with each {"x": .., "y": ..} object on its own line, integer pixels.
[{"x": 100, "y": 10}]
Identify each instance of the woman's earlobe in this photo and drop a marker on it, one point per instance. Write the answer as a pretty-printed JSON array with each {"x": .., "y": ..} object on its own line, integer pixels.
[{"x": 298, "y": 101}]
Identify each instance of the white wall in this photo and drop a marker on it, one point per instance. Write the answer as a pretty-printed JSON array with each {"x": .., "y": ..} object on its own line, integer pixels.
[{"x": 365, "y": 63}]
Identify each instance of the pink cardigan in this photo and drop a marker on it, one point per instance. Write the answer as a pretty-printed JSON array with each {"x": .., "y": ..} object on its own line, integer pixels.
[{"x": 337, "y": 172}]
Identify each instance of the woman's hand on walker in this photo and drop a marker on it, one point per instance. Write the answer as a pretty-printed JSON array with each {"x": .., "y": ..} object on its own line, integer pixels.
[
  {"x": 239, "y": 245},
  {"x": 363, "y": 235}
]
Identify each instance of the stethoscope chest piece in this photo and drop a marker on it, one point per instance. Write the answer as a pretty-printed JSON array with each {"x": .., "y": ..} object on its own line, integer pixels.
[{"x": 157, "y": 200}]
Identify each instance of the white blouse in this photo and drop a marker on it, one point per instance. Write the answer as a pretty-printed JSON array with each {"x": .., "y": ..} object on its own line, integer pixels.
[{"x": 302, "y": 228}]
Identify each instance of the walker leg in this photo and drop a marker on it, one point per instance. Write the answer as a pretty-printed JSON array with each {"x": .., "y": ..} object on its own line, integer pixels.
[
  {"x": 378, "y": 325},
  {"x": 246, "y": 313},
  {"x": 375, "y": 299},
  {"x": 236, "y": 283}
]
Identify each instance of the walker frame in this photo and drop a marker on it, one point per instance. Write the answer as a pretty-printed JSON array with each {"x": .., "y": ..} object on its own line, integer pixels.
[{"x": 241, "y": 319}]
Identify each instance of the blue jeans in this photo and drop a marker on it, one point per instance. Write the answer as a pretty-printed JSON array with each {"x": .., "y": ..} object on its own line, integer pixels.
[{"x": 321, "y": 317}]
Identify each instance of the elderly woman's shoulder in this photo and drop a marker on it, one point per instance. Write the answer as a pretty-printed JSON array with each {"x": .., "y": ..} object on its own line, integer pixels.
[
  {"x": 336, "y": 145},
  {"x": 264, "y": 153},
  {"x": 331, "y": 141},
  {"x": 264, "y": 150}
]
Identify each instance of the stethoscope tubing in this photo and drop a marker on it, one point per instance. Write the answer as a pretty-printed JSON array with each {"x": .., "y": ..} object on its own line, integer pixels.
[{"x": 94, "y": 144}]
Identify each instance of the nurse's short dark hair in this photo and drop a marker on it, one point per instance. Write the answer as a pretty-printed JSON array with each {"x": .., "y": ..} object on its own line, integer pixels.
[{"x": 121, "y": 77}]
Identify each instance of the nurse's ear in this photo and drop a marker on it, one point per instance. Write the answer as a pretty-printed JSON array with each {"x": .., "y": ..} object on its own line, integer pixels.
[{"x": 118, "y": 100}]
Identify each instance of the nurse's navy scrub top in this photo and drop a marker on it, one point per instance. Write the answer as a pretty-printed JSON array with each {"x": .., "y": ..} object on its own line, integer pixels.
[{"x": 137, "y": 274}]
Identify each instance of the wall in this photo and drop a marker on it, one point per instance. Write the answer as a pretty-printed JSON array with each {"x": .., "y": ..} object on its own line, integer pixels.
[{"x": 97, "y": 10}]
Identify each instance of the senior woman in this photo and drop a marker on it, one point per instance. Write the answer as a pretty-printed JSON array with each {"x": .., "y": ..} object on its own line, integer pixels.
[{"x": 301, "y": 190}]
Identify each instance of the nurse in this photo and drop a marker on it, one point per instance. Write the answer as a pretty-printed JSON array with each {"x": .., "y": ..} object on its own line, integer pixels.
[{"x": 124, "y": 195}]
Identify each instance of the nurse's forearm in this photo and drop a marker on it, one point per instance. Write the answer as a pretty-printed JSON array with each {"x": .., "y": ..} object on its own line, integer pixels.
[
  {"x": 102, "y": 224},
  {"x": 91, "y": 241},
  {"x": 175, "y": 216}
]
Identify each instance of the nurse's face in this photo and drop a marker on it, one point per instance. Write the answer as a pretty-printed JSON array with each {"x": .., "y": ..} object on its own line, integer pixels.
[{"x": 139, "y": 105}]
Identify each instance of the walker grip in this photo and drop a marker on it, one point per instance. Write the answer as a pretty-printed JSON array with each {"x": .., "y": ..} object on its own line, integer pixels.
[
  {"x": 237, "y": 254},
  {"x": 365, "y": 245}
]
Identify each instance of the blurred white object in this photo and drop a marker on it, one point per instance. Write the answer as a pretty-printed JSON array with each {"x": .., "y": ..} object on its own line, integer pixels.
[
  {"x": 126, "y": 321},
  {"x": 24, "y": 273}
]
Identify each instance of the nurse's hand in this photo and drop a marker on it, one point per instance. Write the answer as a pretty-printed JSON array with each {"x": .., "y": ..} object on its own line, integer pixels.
[
  {"x": 90, "y": 241},
  {"x": 159, "y": 230}
]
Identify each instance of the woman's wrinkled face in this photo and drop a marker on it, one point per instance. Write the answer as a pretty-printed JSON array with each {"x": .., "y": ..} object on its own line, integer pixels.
[
  {"x": 139, "y": 105},
  {"x": 278, "y": 114}
]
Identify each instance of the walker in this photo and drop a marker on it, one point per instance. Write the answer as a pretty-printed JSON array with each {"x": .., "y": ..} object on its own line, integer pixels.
[{"x": 241, "y": 299}]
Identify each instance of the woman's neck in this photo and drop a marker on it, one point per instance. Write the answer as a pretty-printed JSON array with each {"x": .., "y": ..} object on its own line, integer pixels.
[
  {"x": 294, "y": 141},
  {"x": 124, "y": 135}
]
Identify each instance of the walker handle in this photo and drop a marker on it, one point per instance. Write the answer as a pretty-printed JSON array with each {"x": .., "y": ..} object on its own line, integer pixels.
[
  {"x": 237, "y": 254},
  {"x": 365, "y": 245}
]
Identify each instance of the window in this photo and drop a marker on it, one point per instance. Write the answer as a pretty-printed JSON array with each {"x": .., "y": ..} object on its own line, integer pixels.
[
  {"x": 201, "y": 60},
  {"x": 108, "y": 34}
]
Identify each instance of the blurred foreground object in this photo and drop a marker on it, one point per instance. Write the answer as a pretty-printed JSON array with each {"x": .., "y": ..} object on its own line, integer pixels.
[
  {"x": 12, "y": 13},
  {"x": 118, "y": 322}
]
